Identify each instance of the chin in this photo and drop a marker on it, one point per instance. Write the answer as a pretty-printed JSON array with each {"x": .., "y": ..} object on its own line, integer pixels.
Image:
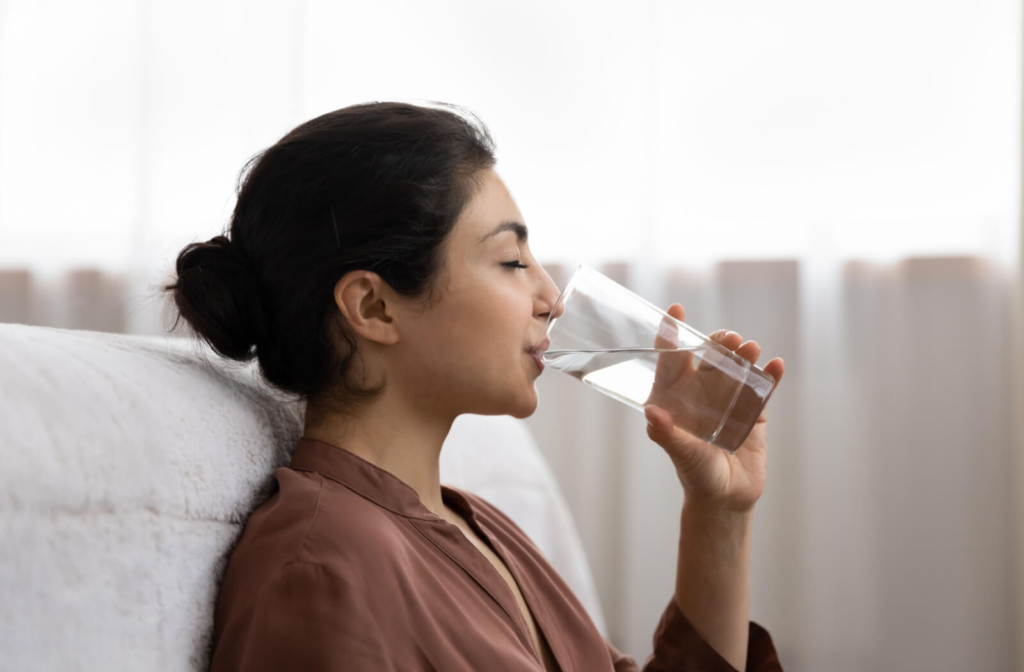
[
  {"x": 523, "y": 415},
  {"x": 526, "y": 408},
  {"x": 520, "y": 403}
]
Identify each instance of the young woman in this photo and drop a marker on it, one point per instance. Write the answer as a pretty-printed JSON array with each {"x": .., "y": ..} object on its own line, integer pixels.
[{"x": 378, "y": 269}]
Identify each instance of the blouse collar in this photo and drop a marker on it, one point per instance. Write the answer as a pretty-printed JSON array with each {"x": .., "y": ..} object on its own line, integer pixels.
[{"x": 379, "y": 486}]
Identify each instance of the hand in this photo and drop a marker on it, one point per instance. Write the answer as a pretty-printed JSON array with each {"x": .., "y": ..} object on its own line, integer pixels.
[{"x": 709, "y": 475}]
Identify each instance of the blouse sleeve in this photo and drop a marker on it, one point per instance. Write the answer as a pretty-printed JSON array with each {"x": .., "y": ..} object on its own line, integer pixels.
[
  {"x": 311, "y": 619},
  {"x": 678, "y": 648}
]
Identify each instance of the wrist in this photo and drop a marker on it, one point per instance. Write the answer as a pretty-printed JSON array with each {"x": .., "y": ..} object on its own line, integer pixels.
[
  {"x": 718, "y": 511},
  {"x": 718, "y": 527}
]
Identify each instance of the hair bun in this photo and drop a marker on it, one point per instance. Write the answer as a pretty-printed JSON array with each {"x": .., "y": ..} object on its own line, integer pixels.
[
  {"x": 233, "y": 255},
  {"x": 218, "y": 293}
]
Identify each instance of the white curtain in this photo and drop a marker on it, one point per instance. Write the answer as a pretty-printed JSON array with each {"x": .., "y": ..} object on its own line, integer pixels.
[{"x": 838, "y": 181}]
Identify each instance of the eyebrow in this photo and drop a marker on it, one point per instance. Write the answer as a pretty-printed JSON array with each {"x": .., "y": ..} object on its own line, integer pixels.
[{"x": 521, "y": 231}]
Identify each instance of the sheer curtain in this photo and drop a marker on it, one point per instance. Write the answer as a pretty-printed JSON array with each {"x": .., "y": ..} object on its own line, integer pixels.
[
  {"x": 839, "y": 181},
  {"x": 884, "y": 537}
]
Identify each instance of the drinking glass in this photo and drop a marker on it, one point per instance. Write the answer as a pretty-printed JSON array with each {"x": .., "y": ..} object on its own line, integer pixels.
[{"x": 629, "y": 349}]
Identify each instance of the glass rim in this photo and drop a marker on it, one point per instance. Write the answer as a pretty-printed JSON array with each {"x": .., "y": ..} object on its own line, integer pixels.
[
  {"x": 574, "y": 278},
  {"x": 561, "y": 297}
]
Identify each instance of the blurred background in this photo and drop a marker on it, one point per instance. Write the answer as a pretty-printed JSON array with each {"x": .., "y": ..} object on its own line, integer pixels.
[{"x": 839, "y": 181}]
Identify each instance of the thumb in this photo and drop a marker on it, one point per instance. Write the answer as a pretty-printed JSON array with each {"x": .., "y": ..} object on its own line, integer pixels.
[{"x": 685, "y": 449}]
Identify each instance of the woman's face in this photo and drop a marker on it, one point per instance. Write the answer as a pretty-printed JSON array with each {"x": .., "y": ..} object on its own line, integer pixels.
[{"x": 469, "y": 352}]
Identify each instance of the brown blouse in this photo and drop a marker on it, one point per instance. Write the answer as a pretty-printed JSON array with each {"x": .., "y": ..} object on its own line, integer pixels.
[{"x": 344, "y": 568}]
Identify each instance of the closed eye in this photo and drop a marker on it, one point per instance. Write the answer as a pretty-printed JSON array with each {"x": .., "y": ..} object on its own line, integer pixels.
[{"x": 514, "y": 264}]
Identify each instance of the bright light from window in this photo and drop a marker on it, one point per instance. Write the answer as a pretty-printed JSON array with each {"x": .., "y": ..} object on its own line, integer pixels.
[{"x": 671, "y": 131}]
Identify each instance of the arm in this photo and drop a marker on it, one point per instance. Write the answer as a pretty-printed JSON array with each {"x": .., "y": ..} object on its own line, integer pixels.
[
  {"x": 713, "y": 577},
  {"x": 721, "y": 488},
  {"x": 306, "y": 618},
  {"x": 680, "y": 648},
  {"x": 705, "y": 626}
]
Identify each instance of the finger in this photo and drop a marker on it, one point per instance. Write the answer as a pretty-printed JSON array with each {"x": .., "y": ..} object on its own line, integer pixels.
[
  {"x": 668, "y": 334},
  {"x": 775, "y": 369},
  {"x": 749, "y": 351},
  {"x": 729, "y": 339},
  {"x": 685, "y": 449},
  {"x": 670, "y": 365}
]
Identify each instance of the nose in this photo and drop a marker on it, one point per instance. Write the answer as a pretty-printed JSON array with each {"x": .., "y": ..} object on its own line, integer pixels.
[
  {"x": 558, "y": 309},
  {"x": 549, "y": 297}
]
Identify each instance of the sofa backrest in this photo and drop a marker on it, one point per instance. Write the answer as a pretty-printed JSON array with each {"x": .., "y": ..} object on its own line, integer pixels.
[{"x": 128, "y": 466}]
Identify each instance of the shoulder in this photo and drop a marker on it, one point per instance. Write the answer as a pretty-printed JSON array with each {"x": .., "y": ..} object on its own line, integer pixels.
[{"x": 314, "y": 520}]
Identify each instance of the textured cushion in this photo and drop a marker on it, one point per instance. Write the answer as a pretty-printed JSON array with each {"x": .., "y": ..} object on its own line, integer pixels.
[{"x": 130, "y": 464}]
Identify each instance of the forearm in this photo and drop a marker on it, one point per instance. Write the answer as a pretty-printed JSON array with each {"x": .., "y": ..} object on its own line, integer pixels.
[{"x": 713, "y": 577}]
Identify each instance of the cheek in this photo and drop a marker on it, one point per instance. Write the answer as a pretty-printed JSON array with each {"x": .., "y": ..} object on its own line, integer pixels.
[
  {"x": 492, "y": 347},
  {"x": 457, "y": 345},
  {"x": 477, "y": 343}
]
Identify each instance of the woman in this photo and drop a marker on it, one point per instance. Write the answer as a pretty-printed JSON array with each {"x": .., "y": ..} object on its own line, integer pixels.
[{"x": 378, "y": 269}]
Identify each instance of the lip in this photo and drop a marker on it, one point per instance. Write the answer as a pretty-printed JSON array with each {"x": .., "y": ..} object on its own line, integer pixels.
[
  {"x": 541, "y": 347},
  {"x": 536, "y": 360}
]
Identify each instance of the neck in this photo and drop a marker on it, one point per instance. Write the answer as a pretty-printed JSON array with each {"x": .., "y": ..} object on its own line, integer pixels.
[{"x": 409, "y": 448}]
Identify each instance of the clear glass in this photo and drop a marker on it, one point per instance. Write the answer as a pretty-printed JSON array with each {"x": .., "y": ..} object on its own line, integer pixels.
[{"x": 631, "y": 350}]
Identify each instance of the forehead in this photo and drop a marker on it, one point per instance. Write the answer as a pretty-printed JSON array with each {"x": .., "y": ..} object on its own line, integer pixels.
[{"x": 491, "y": 215}]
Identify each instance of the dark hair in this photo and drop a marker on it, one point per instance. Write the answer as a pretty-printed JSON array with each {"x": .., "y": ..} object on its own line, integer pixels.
[{"x": 376, "y": 186}]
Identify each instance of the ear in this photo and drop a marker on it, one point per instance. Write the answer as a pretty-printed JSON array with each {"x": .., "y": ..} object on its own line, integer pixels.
[{"x": 360, "y": 295}]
